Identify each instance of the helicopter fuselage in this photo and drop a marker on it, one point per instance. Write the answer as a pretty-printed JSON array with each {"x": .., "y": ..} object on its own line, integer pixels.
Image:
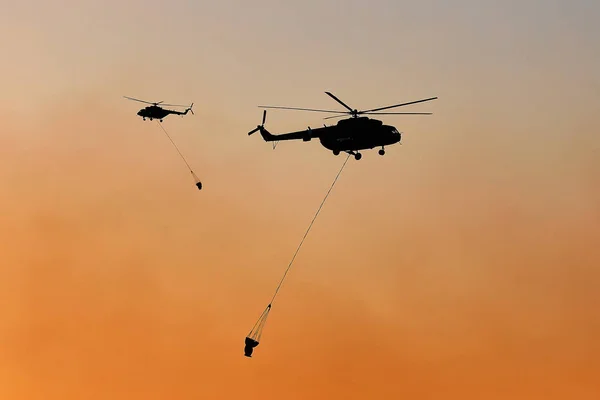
[
  {"x": 349, "y": 135},
  {"x": 356, "y": 134},
  {"x": 153, "y": 112}
]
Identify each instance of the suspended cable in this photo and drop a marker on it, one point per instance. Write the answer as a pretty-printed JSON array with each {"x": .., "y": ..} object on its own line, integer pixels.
[
  {"x": 196, "y": 179},
  {"x": 253, "y": 337}
]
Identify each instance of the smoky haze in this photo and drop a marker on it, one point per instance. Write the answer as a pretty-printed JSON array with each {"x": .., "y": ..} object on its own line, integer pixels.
[{"x": 460, "y": 265}]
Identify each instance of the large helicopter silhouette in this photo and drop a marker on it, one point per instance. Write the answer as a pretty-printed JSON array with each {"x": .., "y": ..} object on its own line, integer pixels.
[
  {"x": 349, "y": 135},
  {"x": 156, "y": 112}
]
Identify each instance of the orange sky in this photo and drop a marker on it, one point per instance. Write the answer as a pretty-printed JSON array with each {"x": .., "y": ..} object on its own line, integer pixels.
[{"x": 461, "y": 265}]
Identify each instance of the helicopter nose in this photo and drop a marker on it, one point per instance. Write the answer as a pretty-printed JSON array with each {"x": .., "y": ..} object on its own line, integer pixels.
[{"x": 394, "y": 134}]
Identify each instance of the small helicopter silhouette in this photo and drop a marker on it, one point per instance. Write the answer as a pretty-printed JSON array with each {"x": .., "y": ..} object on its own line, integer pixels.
[
  {"x": 156, "y": 112},
  {"x": 349, "y": 135}
]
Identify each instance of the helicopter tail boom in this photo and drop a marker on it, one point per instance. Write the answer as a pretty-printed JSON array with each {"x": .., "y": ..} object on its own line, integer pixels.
[
  {"x": 189, "y": 109},
  {"x": 266, "y": 135}
]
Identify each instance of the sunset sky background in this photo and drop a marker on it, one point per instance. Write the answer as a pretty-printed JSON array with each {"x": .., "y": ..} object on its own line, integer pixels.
[{"x": 463, "y": 264}]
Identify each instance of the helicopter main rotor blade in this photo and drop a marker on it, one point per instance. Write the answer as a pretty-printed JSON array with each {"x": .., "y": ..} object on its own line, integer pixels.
[
  {"x": 339, "y": 101},
  {"x": 141, "y": 101},
  {"x": 337, "y": 116},
  {"x": 301, "y": 109},
  {"x": 398, "y": 113},
  {"x": 385, "y": 113},
  {"x": 399, "y": 105},
  {"x": 172, "y": 105}
]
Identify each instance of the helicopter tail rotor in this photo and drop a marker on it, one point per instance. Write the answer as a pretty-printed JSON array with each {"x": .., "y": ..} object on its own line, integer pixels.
[
  {"x": 260, "y": 127},
  {"x": 267, "y": 136},
  {"x": 190, "y": 109}
]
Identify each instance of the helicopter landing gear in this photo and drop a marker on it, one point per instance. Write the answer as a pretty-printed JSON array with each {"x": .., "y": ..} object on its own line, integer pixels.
[
  {"x": 357, "y": 155},
  {"x": 336, "y": 152},
  {"x": 382, "y": 151},
  {"x": 161, "y": 120},
  {"x": 144, "y": 118}
]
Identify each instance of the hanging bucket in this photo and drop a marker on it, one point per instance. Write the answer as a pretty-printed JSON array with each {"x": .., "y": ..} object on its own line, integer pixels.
[
  {"x": 250, "y": 345},
  {"x": 253, "y": 338}
]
